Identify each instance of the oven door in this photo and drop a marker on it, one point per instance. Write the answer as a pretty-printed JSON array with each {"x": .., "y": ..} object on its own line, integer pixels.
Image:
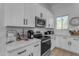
[{"x": 45, "y": 46}]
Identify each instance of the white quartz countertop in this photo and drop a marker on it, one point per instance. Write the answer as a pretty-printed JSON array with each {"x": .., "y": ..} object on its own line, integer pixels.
[
  {"x": 67, "y": 35},
  {"x": 19, "y": 44}
]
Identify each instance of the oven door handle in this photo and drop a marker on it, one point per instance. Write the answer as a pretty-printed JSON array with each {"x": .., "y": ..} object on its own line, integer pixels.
[{"x": 45, "y": 41}]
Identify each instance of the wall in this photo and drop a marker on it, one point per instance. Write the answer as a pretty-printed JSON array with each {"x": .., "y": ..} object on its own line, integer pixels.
[
  {"x": 2, "y": 32},
  {"x": 60, "y": 9},
  {"x": 46, "y": 5}
]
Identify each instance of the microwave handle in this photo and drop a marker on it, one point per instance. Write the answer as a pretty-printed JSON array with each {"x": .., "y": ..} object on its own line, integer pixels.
[{"x": 24, "y": 21}]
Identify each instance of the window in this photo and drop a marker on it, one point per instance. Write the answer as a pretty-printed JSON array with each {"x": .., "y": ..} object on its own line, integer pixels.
[{"x": 62, "y": 22}]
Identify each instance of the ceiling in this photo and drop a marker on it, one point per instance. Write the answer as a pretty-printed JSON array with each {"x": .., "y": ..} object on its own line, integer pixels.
[
  {"x": 57, "y": 8},
  {"x": 47, "y": 5}
]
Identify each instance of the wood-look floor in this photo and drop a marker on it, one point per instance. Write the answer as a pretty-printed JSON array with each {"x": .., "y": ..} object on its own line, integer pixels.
[{"x": 62, "y": 52}]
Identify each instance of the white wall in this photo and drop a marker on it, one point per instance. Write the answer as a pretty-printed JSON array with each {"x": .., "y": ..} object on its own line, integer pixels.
[
  {"x": 46, "y": 5},
  {"x": 60, "y": 9},
  {"x": 2, "y": 32}
]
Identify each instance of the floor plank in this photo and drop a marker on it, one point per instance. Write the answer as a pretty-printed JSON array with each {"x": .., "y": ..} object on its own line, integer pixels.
[{"x": 62, "y": 52}]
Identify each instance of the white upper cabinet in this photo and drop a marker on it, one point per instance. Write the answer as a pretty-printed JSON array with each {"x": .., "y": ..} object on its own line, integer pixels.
[
  {"x": 14, "y": 14},
  {"x": 18, "y": 14},
  {"x": 38, "y": 10},
  {"x": 50, "y": 20},
  {"x": 45, "y": 15},
  {"x": 29, "y": 14},
  {"x": 48, "y": 17}
]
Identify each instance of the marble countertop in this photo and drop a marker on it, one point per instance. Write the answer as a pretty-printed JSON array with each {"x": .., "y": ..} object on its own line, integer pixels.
[
  {"x": 19, "y": 44},
  {"x": 71, "y": 36}
]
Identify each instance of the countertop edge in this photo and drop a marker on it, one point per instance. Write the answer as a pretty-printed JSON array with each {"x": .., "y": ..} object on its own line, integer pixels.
[{"x": 10, "y": 48}]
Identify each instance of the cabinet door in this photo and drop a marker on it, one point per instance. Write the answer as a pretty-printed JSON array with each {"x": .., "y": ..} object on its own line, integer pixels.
[
  {"x": 64, "y": 43},
  {"x": 14, "y": 14},
  {"x": 34, "y": 49},
  {"x": 37, "y": 49},
  {"x": 53, "y": 40},
  {"x": 29, "y": 14},
  {"x": 57, "y": 38},
  {"x": 45, "y": 15},
  {"x": 30, "y": 50},
  {"x": 18, "y": 52},
  {"x": 2, "y": 40},
  {"x": 48, "y": 16},
  {"x": 49, "y": 19},
  {"x": 38, "y": 10},
  {"x": 75, "y": 45}
]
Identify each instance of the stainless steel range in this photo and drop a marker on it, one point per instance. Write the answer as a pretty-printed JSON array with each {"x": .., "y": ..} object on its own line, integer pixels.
[{"x": 45, "y": 45}]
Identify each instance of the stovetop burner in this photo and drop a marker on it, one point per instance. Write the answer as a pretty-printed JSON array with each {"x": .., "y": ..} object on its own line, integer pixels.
[{"x": 46, "y": 38}]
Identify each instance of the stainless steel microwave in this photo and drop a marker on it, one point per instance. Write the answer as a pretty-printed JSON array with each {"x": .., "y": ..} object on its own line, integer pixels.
[{"x": 39, "y": 22}]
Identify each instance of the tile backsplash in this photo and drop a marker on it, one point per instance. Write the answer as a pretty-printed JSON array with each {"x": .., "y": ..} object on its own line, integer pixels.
[
  {"x": 14, "y": 30},
  {"x": 20, "y": 29}
]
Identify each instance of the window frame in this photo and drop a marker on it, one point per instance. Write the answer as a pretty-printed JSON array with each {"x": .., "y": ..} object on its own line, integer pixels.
[{"x": 62, "y": 23}]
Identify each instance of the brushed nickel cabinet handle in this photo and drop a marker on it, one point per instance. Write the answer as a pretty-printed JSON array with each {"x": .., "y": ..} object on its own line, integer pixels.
[
  {"x": 22, "y": 52},
  {"x": 64, "y": 37},
  {"x": 31, "y": 54},
  {"x": 36, "y": 45},
  {"x": 24, "y": 21},
  {"x": 75, "y": 39},
  {"x": 48, "y": 25},
  {"x": 70, "y": 43}
]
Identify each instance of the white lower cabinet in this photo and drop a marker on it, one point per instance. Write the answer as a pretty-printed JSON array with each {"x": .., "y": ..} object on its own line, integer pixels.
[
  {"x": 74, "y": 46},
  {"x": 1, "y": 52},
  {"x": 64, "y": 43},
  {"x": 31, "y": 50},
  {"x": 57, "y": 41},
  {"x": 37, "y": 49},
  {"x": 18, "y": 52},
  {"x": 53, "y": 42},
  {"x": 68, "y": 43},
  {"x": 34, "y": 49}
]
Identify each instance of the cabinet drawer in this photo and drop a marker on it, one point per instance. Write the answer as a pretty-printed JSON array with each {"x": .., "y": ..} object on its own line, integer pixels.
[
  {"x": 18, "y": 52},
  {"x": 37, "y": 45},
  {"x": 57, "y": 38}
]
